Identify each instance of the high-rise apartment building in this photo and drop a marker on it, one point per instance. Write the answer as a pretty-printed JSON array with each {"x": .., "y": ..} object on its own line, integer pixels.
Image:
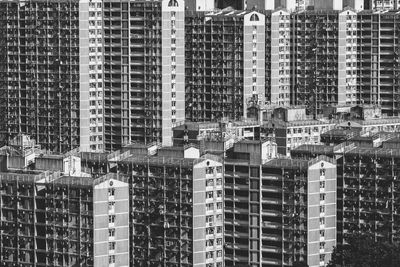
[
  {"x": 277, "y": 57},
  {"x": 379, "y": 59},
  {"x": 141, "y": 206},
  {"x": 49, "y": 219},
  {"x": 368, "y": 187},
  {"x": 324, "y": 58},
  {"x": 279, "y": 211},
  {"x": 225, "y": 65},
  {"x": 44, "y": 72},
  {"x": 89, "y": 73},
  {"x": 143, "y": 71},
  {"x": 177, "y": 208}
]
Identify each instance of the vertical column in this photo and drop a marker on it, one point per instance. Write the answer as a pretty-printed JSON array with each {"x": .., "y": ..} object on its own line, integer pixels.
[
  {"x": 254, "y": 64},
  {"x": 84, "y": 82},
  {"x": 111, "y": 223}
]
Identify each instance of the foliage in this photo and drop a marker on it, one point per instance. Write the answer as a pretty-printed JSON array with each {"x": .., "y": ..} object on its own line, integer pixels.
[{"x": 362, "y": 250}]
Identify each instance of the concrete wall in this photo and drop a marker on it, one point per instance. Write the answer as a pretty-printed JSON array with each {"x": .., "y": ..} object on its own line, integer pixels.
[
  {"x": 321, "y": 213},
  {"x": 280, "y": 58},
  {"x": 111, "y": 213},
  {"x": 84, "y": 111},
  {"x": 173, "y": 59},
  {"x": 201, "y": 187},
  {"x": 253, "y": 60}
]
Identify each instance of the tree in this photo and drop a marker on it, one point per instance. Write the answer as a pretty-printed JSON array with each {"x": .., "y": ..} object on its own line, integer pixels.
[{"x": 363, "y": 251}]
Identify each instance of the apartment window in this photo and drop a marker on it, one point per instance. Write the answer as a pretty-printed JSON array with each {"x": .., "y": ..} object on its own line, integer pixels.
[
  {"x": 321, "y": 197},
  {"x": 209, "y": 194},
  {"x": 111, "y": 246},
  {"x": 219, "y": 241},
  {"x": 209, "y": 219},
  {"x": 322, "y": 232},
  {"x": 111, "y": 259},
  {"x": 219, "y": 253},
  {"x": 209, "y": 255},
  {"x": 111, "y": 192},
  {"x": 210, "y": 206},
  {"x": 111, "y": 205},
  {"x": 321, "y": 245},
  {"x": 322, "y": 257},
  {"x": 321, "y": 220},
  {"x": 219, "y": 229},
  {"x": 209, "y": 230},
  {"x": 219, "y": 193},
  {"x": 210, "y": 182},
  {"x": 219, "y": 205},
  {"x": 209, "y": 242},
  {"x": 111, "y": 218},
  {"x": 321, "y": 209},
  {"x": 111, "y": 232},
  {"x": 219, "y": 182},
  {"x": 322, "y": 184}
]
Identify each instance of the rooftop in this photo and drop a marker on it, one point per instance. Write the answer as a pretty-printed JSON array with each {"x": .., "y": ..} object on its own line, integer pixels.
[
  {"x": 341, "y": 133},
  {"x": 285, "y": 124},
  {"x": 287, "y": 163},
  {"x": 375, "y": 151},
  {"x": 318, "y": 149}
]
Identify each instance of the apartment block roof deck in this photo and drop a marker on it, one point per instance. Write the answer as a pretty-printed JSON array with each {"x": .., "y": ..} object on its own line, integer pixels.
[
  {"x": 371, "y": 121},
  {"x": 319, "y": 12},
  {"x": 318, "y": 149},
  {"x": 386, "y": 12},
  {"x": 160, "y": 161},
  {"x": 287, "y": 163},
  {"x": 94, "y": 156},
  {"x": 73, "y": 181},
  {"x": 348, "y": 133},
  {"x": 23, "y": 176},
  {"x": 395, "y": 140},
  {"x": 374, "y": 151},
  {"x": 88, "y": 181},
  {"x": 214, "y": 125},
  {"x": 281, "y": 123},
  {"x": 229, "y": 13}
]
